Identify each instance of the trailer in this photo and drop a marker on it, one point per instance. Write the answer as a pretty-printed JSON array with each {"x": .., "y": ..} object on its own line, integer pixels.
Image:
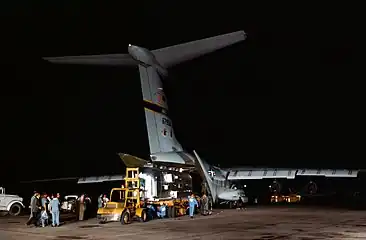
[{"x": 128, "y": 202}]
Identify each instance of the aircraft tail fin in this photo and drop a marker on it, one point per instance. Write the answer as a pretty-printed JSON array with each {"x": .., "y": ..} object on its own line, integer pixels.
[
  {"x": 202, "y": 169},
  {"x": 152, "y": 66},
  {"x": 159, "y": 125}
]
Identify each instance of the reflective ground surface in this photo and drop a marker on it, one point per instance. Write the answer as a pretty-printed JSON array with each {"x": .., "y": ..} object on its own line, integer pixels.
[{"x": 253, "y": 223}]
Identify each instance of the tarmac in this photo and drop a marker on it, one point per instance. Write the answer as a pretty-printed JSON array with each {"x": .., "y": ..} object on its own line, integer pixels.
[{"x": 253, "y": 223}]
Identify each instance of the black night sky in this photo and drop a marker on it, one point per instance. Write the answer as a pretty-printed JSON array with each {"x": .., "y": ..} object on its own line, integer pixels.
[{"x": 273, "y": 100}]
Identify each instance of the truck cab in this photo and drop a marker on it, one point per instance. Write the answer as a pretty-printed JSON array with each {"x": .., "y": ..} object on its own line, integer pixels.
[{"x": 11, "y": 204}]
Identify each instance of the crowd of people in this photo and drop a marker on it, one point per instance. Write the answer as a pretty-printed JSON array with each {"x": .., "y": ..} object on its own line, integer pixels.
[
  {"x": 43, "y": 209},
  {"x": 160, "y": 211}
]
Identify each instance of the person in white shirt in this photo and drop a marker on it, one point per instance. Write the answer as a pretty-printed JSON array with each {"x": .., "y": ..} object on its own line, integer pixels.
[{"x": 105, "y": 200}]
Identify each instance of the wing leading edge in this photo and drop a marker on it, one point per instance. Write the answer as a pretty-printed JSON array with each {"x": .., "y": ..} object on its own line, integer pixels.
[{"x": 289, "y": 173}]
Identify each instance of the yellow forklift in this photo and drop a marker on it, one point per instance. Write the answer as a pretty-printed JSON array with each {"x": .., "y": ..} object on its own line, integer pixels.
[{"x": 125, "y": 203}]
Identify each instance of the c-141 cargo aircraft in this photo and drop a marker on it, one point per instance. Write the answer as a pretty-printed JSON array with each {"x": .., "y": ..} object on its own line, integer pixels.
[{"x": 164, "y": 147}]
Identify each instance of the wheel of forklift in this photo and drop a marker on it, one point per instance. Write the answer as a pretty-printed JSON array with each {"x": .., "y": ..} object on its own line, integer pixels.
[
  {"x": 143, "y": 217},
  {"x": 102, "y": 222},
  {"x": 125, "y": 218}
]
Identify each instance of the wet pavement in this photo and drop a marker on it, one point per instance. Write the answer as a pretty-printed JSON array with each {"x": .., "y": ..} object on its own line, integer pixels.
[{"x": 253, "y": 223}]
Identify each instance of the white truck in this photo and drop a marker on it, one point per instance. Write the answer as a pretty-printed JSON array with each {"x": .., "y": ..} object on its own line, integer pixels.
[
  {"x": 69, "y": 204},
  {"x": 12, "y": 204}
]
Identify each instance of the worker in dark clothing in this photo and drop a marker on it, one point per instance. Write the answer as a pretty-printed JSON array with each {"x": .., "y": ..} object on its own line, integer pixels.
[
  {"x": 35, "y": 208},
  {"x": 204, "y": 205},
  {"x": 81, "y": 209},
  {"x": 30, "y": 207},
  {"x": 100, "y": 201},
  {"x": 240, "y": 203},
  {"x": 87, "y": 209},
  {"x": 210, "y": 202},
  {"x": 150, "y": 212}
]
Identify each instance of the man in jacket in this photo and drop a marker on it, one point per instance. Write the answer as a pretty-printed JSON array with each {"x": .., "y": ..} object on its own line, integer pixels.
[
  {"x": 35, "y": 208},
  {"x": 204, "y": 205},
  {"x": 81, "y": 202},
  {"x": 100, "y": 201}
]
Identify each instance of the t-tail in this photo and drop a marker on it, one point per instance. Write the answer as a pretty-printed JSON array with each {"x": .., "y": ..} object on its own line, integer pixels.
[
  {"x": 164, "y": 146},
  {"x": 152, "y": 66}
]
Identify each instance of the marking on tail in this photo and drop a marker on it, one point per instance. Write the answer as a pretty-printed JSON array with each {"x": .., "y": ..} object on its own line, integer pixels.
[{"x": 159, "y": 125}]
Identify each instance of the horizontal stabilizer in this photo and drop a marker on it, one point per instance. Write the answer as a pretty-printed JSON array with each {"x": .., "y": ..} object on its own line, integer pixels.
[
  {"x": 132, "y": 161},
  {"x": 106, "y": 59},
  {"x": 173, "y": 55},
  {"x": 167, "y": 56}
]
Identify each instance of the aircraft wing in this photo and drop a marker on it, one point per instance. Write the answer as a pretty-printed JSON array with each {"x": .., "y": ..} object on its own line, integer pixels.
[
  {"x": 105, "y": 59},
  {"x": 99, "y": 179},
  {"x": 257, "y": 173},
  {"x": 92, "y": 179},
  {"x": 129, "y": 160}
]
